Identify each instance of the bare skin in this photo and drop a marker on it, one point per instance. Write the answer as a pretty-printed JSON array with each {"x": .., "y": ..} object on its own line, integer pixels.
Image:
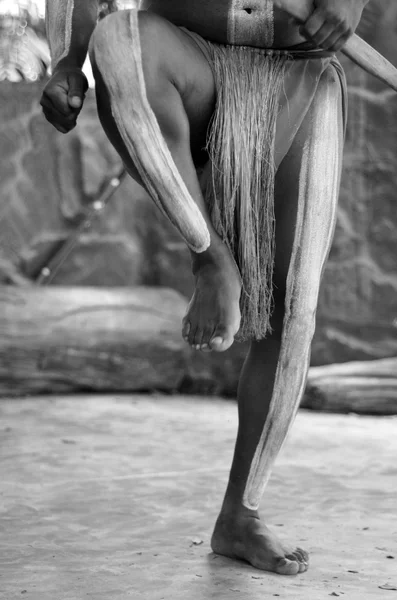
[
  {"x": 181, "y": 91},
  {"x": 213, "y": 315},
  {"x": 214, "y": 309},
  {"x": 238, "y": 533},
  {"x": 245, "y": 537}
]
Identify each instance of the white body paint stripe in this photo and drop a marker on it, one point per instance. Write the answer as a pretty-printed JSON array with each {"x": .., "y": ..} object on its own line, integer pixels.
[
  {"x": 59, "y": 17},
  {"x": 256, "y": 26},
  {"x": 317, "y": 205},
  {"x": 116, "y": 50}
]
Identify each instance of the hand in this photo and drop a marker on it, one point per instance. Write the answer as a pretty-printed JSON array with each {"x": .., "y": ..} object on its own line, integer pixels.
[
  {"x": 63, "y": 97},
  {"x": 333, "y": 22}
]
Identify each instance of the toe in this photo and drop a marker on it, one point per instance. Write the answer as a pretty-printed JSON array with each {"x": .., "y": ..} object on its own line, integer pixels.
[
  {"x": 220, "y": 340},
  {"x": 298, "y": 556},
  {"x": 218, "y": 334},
  {"x": 216, "y": 342},
  {"x": 186, "y": 330},
  {"x": 302, "y": 567},
  {"x": 205, "y": 348},
  {"x": 193, "y": 337},
  {"x": 201, "y": 338},
  {"x": 285, "y": 566},
  {"x": 305, "y": 555},
  {"x": 207, "y": 336}
]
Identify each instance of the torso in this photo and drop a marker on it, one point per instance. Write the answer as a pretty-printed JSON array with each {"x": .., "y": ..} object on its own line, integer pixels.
[{"x": 240, "y": 22}]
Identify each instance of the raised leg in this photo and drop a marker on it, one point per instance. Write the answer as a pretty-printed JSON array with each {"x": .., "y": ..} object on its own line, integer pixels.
[
  {"x": 274, "y": 375},
  {"x": 156, "y": 96}
]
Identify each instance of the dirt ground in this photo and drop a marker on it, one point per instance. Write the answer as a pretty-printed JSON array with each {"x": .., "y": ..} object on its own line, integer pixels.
[{"x": 114, "y": 497}]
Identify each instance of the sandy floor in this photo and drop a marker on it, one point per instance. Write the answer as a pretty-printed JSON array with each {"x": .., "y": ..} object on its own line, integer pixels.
[{"x": 115, "y": 497}]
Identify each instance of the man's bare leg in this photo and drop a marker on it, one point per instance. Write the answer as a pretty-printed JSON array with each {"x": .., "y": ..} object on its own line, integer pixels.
[
  {"x": 181, "y": 92},
  {"x": 239, "y": 532}
]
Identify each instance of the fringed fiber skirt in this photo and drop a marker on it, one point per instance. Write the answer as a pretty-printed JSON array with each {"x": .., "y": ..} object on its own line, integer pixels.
[{"x": 263, "y": 96}]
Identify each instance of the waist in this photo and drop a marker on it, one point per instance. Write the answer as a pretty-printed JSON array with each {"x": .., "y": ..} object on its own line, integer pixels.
[{"x": 254, "y": 23}]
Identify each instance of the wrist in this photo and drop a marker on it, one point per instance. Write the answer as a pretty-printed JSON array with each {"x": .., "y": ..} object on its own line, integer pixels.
[{"x": 69, "y": 62}]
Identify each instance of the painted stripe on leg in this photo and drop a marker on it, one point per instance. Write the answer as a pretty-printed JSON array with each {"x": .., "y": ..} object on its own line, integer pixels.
[
  {"x": 317, "y": 204},
  {"x": 115, "y": 47}
]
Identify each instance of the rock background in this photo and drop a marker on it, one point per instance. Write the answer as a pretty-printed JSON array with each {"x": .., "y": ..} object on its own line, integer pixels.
[{"x": 47, "y": 178}]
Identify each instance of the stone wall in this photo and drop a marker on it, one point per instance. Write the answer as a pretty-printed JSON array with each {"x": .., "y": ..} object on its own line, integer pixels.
[{"x": 47, "y": 178}]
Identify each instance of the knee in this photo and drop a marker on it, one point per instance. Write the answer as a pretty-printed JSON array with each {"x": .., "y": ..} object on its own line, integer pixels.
[
  {"x": 121, "y": 36},
  {"x": 124, "y": 57},
  {"x": 109, "y": 34},
  {"x": 127, "y": 34}
]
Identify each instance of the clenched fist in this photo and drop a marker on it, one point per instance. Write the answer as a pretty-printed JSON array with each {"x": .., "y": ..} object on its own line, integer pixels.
[
  {"x": 333, "y": 22},
  {"x": 63, "y": 97}
]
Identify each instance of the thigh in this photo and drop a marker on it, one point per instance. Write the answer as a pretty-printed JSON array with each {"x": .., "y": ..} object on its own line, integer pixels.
[
  {"x": 319, "y": 137},
  {"x": 169, "y": 55},
  {"x": 179, "y": 83},
  {"x": 171, "y": 60}
]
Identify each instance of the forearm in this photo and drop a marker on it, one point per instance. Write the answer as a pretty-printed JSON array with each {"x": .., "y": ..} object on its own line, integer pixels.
[{"x": 69, "y": 25}]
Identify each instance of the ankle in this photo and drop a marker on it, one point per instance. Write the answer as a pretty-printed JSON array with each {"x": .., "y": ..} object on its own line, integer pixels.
[
  {"x": 214, "y": 256},
  {"x": 233, "y": 507},
  {"x": 233, "y": 514}
]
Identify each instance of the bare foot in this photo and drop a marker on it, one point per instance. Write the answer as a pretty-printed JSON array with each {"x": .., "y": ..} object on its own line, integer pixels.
[
  {"x": 246, "y": 538},
  {"x": 213, "y": 315}
]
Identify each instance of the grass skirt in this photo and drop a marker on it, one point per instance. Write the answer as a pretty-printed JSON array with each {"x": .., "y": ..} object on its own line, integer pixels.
[
  {"x": 241, "y": 144},
  {"x": 240, "y": 192}
]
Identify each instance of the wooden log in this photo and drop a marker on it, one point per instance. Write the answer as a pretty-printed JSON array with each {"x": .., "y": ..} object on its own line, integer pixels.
[
  {"x": 56, "y": 339},
  {"x": 385, "y": 367},
  {"x": 368, "y": 387}
]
